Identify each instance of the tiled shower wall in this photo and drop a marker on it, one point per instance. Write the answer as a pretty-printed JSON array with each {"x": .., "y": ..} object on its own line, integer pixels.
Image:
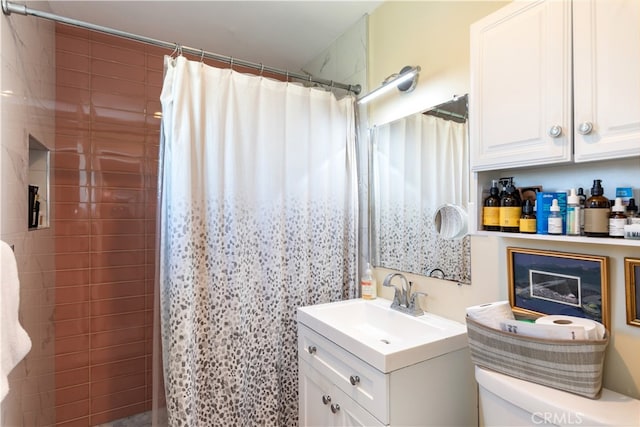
[{"x": 107, "y": 138}]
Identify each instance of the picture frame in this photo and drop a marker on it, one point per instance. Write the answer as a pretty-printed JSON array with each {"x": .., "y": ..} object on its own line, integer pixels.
[
  {"x": 632, "y": 290},
  {"x": 545, "y": 282}
]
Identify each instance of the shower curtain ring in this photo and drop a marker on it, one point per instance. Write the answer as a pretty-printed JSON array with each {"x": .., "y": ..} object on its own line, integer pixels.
[
  {"x": 286, "y": 76},
  {"x": 231, "y": 62},
  {"x": 202, "y": 56},
  {"x": 175, "y": 50},
  {"x": 261, "y": 68}
]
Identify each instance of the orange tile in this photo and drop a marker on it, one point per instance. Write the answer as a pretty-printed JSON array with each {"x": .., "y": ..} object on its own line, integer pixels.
[
  {"x": 72, "y": 394},
  {"x": 72, "y": 361},
  {"x": 68, "y": 244},
  {"x": 69, "y": 30},
  {"x": 120, "y": 321},
  {"x": 116, "y": 369},
  {"x": 69, "y": 98},
  {"x": 73, "y": 278},
  {"x": 122, "y": 102},
  {"x": 72, "y": 211},
  {"x": 78, "y": 422},
  {"x": 71, "y": 311},
  {"x": 71, "y": 43},
  {"x": 112, "y": 354},
  {"x": 118, "y": 180},
  {"x": 72, "y": 344},
  {"x": 117, "y": 70},
  {"x": 130, "y": 119},
  {"x": 72, "y": 261},
  {"x": 155, "y": 78},
  {"x": 113, "y": 338},
  {"x": 108, "y": 230},
  {"x": 105, "y": 84},
  {"x": 114, "y": 385},
  {"x": 120, "y": 54},
  {"x": 72, "y": 294},
  {"x": 121, "y": 242},
  {"x": 69, "y": 328},
  {"x": 71, "y": 177},
  {"x": 117, "y": 195},
  {"x": 117, "y": 274},
  {"x": 78, "y": 143},
  {"x": 117, "y": 290},
  {"x": 72, "y": 227},
  {"x": 119, "y": 305},
  {"x": 69, "y": 127},
  {"x": 72, "y": 61},
  {"x": 71, "y": 194},
  {"x": 72, "y": 377},
  {"x": 72, "y": 410},
  {"x": 118, "y": 163},
  {"x": 118, "y": 42},
  {"x": 70, "y": 160},
  {"x": 104, "y": 131},
  {"x": 110, "y": 148},
  {"x": 116, "y": 414},
  {"x": 117, "y": 211},
  {"x": 73, "y": 78},
  {"x": 118, "y": 400},
  {"x": 119, "y": 259}
]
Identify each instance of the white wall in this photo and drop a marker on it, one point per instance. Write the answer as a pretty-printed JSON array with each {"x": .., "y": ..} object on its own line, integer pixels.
[{"x": 27, "y": 87}]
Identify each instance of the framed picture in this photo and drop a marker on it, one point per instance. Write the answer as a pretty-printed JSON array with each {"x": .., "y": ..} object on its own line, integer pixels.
[
  {"x": 632, "y": 280},
  {"x": 548, "y": 282}
]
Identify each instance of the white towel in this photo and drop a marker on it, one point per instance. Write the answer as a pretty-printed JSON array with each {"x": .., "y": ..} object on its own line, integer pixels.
[{"x": 14, "y": 341}]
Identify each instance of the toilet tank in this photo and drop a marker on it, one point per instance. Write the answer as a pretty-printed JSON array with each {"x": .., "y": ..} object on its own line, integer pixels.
[{"x": 508, "y": 401}]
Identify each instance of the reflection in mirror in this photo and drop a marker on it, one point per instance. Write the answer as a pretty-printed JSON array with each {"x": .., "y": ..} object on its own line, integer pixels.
[{"x": 419, "y": 183}]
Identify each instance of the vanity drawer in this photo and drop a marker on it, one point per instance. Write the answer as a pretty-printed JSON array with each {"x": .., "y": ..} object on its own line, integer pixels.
[{"x": 342, "y": 368}]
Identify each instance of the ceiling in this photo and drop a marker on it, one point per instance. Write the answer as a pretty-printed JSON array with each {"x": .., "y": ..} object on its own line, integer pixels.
[{"x": 280, "y": 34}]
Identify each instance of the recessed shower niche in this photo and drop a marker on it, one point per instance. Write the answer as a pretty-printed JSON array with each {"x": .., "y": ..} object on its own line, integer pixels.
[{"x": 38, "y": 189}]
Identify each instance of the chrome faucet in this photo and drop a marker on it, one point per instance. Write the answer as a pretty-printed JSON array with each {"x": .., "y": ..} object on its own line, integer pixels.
[{"x": 403, "y": 299}]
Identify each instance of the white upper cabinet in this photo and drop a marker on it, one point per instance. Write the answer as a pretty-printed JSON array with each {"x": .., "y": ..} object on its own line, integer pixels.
[
  {"x": 530, "y": 75},
  {"x": 606, "y": 63}
]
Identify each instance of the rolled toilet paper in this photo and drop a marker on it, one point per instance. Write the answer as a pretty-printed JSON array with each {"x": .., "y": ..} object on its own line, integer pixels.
[
  {"x": 594, "y": 330},
  {"x": 491, "y": 314},
  {"x": 538, "y": 330}
]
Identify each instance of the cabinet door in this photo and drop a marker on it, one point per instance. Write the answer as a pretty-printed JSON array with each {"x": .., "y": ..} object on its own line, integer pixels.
[
  {"x": 350, "y": 413},
  {"x": 314, "y": 390},
  {"x": 520, "y": 102},
  {"x": 607, "y": 78}
]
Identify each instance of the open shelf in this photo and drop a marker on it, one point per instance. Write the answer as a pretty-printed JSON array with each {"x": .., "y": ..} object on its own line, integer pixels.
[{"x": 563, "y": 238}]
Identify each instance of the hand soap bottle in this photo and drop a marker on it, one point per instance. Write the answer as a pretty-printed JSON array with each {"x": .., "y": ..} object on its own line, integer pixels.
[
  {"x": 596, "y": 212},
  {"x": 368, "y": 284}
]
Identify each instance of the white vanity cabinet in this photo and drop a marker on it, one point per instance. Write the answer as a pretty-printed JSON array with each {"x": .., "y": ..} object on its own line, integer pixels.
[
  {"x": 336, "y": 388},
  {"x": 555, "y": 81}
]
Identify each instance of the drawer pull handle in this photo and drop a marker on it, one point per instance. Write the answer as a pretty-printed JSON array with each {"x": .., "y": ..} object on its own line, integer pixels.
[
  {"x": 335, "y": 407},
  {"x": 312, "y": 349},
  {"x": 326, "y": 399},
  {"x": 354, "y": 379}
]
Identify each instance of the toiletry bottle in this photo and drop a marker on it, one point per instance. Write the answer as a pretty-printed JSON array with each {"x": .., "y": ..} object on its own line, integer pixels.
[
  {"x": 573, "y": 214},
  {"x": 368, "y": 284},
  {"x": 617, "y": 219},
  {"x": 583, "y": 200},
  {"x": 510, "y": 210},
  {"x": 491, "y": 209},
  {"x": 555, "y": 219},
  {"x": 632, "y": 212},
  {"x": 528, "y": 218},
  {"x": 596, "y": 212}
]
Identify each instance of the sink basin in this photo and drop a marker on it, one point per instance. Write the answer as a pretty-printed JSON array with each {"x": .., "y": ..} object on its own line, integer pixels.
[{"x": 384, "y": 338}]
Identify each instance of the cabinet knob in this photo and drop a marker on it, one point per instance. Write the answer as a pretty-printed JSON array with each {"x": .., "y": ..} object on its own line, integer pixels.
[
  {"x": 312, "y": 349},
  {"x": 354, "y": 379},
  {"x": 585, "y": 128},
  {"x": 335, "y": 407},
  {"x": 326, "y": 399},
  {"x": 555, "y": 131}
]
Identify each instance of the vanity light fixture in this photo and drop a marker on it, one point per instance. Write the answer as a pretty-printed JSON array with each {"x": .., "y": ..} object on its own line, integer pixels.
[{"x": 405, "y": 81}]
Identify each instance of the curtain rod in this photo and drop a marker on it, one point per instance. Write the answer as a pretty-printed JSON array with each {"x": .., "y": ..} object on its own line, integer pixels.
[{"x": 9, "y": 7}]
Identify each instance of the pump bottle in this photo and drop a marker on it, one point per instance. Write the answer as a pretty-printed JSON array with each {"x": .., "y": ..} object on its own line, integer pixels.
[
  {"x": 596, "y": 212},
  {"x": 368, "y": 284},
  {"x": 617, "y": 219},
  {"x": 510, "y": 210},
  {"x": 573, "y": 214},
  {"x": 554, "y": 219},
  {"x": 491, "y": 209}
]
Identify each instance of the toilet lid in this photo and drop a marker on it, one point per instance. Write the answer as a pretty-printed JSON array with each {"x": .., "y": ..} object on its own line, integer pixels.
[{"x": 558, "y": 407}]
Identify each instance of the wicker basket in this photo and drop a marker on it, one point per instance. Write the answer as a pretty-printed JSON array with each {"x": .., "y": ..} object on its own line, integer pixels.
[{"x": 573, "y": 366}]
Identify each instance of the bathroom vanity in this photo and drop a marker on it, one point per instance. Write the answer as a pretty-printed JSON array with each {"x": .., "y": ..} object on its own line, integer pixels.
[{"x": 360, "y": 363}]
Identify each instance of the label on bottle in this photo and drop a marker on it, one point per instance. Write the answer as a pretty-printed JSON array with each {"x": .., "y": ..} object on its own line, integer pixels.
[
  {"x": 491, "y": 216},
  {"x": 555, "y": 225},
  {"x": 527, "y": 225},
  {"x": 510, "y": 216},
  {"x": 368, "y": 289},
  {"x": 596, "y": 220},
  {"x": 573, "y": 220},
  {"x": 616, "y": 227}
]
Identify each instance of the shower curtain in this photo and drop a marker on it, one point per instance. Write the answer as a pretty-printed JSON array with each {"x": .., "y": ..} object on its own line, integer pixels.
[
  {"x": 420, "y": 162},
  {"x": 258, "y": 216}
]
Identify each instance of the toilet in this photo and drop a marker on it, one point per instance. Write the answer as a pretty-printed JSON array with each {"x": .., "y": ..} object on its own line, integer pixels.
[{"x": 508, "y": 401}]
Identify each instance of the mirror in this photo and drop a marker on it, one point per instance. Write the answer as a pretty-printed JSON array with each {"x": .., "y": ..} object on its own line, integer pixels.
[{"x": 419, "y": 192}]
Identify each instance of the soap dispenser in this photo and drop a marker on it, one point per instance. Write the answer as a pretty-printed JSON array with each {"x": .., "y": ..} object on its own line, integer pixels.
[{"x": 368, "y": 284}]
